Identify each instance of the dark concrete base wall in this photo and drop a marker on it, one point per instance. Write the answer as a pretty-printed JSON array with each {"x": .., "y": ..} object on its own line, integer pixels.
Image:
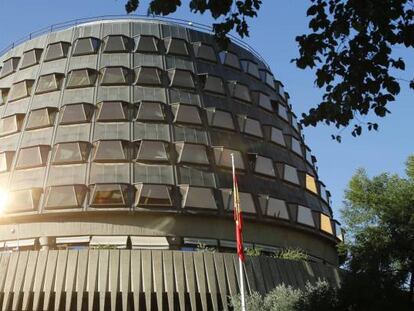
[{"x": 141, "y": 279}]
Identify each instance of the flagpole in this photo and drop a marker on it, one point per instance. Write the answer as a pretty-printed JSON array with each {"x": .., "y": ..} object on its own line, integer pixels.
[{"x": 243, "y": 302}]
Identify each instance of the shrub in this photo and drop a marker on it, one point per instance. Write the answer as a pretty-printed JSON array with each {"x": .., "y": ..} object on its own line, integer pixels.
[
  {"x": 319, "y": 296},
  {"x": 254, "y": 301},
  {"x": 282, "y": 298},
  {"x": 292, "y": 254},
  {"x": 253, "y": 251}
]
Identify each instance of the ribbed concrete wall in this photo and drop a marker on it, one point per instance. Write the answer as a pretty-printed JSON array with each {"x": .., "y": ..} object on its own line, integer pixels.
[{"x": 140, "y": 280}]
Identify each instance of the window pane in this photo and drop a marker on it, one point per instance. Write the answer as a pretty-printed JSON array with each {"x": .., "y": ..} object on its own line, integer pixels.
[
  {"x": 283, "y": 112},
  {"x": 190, "y": 135},
  {"x": 148, "y": 76},
  {"x": 326, "y": 224},
  {"x": 276, "y": 136},
  {"x": 250, "y": 126},
  {"x": 146, "y": 44},
  {"x": 229, "y": 59},
  {"x": 191, "y": 153},
  {"x": 273, "y": 207},
  {"x": 74, "y": 152},
  {"x": 115, "y": 76},
  {"x": 151, "y": 111},
  {"x": 153, "y": 195},
  {"x": 85, "y": 46},
  {"x": 4, "y": 93},
  {"x": 264, "y": 166},
  {"x": 251, "y": 68},
  {"x": 81, "y": 78},
  {"x": 159, "y": 174},
  {"x": 11, "y": 124},
  {"x": 111, "y": 150},
  {"x": 152, "y": 151},
  {"x": 305, "y": 216},
  {"x": 32, "y": 157},
  {"x": 9, "y": 66},
  {"x": 56, "y": 50},
  {"x": 239, "y": 91},
  {"x": 196, "y": 197},
  {"x": 31, "y": 58},
  {"x": 6, "y": 160},
  {"x": 76, "y": 113},
  {"x": 195, "y": 177},
  {"x": 205, "y": 52},
  {"x": 246, "y": 201},
  {"x": 49, "y": 83},
  {"x": 117, "y": 44},
  {"x": 223, "y": 157},
  {"x": 186, "y": 114},
  {"x": 311, "y": 184},
  {"x": 41, "y": 118},
  {"x": 24, "y": 200},
  {"x": 219, "y": 118},
  {"x": 181, "y": 78},
  {"x": 291, "y": 174},
  {"x": 21, "y": 90},
  {"x": 65, "y": 197},
  {"x": 112, "y": 111},
  {"x": 176, "y": 46},
  {"x": 109, "y": 195},
  {"x": 296, "y": 147},
  {"x": 212, "y": 84}
]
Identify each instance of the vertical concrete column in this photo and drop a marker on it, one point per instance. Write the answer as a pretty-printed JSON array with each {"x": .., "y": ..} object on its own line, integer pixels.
[{"x": 47, "y": 243}]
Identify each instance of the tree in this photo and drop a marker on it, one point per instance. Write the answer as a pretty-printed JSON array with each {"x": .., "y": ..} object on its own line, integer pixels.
[
  {"x": 379, "y": 221},
  {"x": 350, "y": 47}
]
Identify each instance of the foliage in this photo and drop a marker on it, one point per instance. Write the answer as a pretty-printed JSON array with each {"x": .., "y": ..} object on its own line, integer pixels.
[
  {"x": 379, "y": 221},
  {"x": 254, "y": 301},
  {"x": 282, "y": 298},
  {"x": 292, "y": 254},
  {"x": 351, "y": 46},
  {"x": 253, "y": 251},
  {"x": 320, "y": 296},
  {"x": 201, "y": 247}
]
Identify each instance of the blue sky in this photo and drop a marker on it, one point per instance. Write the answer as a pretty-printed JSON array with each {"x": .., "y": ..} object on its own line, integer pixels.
[{"x": 273, "y": 35}]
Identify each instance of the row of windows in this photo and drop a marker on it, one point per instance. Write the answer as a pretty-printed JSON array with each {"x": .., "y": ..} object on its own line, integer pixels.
[
  {"x": 143, "y": 44},
  {"x": 155, "y": 195}
]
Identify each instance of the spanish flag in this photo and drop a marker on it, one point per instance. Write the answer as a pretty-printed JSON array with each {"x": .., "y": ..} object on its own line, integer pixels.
[{"x": 238, "y": 217}]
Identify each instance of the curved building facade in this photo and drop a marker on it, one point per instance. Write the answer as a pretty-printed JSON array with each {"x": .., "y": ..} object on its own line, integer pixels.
[{"x": 117, "y": 134}]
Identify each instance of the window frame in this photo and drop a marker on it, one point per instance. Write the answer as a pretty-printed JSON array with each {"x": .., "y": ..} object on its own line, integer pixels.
[
  {"x": 94, "y": 49},
  {"x": 64, "y": 45},
  {"x": 92, "y": 76}
]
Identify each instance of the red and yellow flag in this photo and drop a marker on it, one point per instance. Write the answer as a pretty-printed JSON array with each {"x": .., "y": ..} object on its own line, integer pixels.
[{"x": 238, "y": 218}]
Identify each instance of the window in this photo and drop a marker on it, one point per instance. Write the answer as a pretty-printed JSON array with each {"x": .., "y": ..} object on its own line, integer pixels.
[
  {"x": 181, "y": 78},
  {"x": 273, "y": 207},
  {"x": 246, "y": 201},
  {"x": 239, "y": 91},
  {"x": 263, "y": 101},
  {"x": 295, "y": 123},
  {"x": 109, "y": 195},
  {"x": 153, "y": 195},
  {"x": 151, "y": 150},
  {"x": 150, "y": 111},
  {"x": 296, "y": 147},
  {"x": 81, "y": 78},
  {"x": 111, "y": 151},
  {"x": 222, "y": 157},
  {"x": 6, "y": 159},
  {"x": 85, "y": 46},
  {"x": 4, "y": 93},
  {"x": 282, "y": 111},
  {"x": 146, "y": 44},
  {"x": 71, "y": 196},
  {"x": 229, "y": 59},
  {"x": 32, "y": 157},
  {"x": 112, "y": 111},
  {"x": 191, "y": 135},
  {"x": 290, "y": 174},
  {"x": 205, "y": 52},
  {"x": 280, "y": 90},
  {"x": 276, "y": 136},
  {"x": 267, "y": 78},
  {"x": 186, "y": 114},
  {"x": 31, "y": 57},
  {"x": 159, "y": 174},
  {"x": 76, "y": 113},
  {"x": 154, "y": 131},
  {"x": 197, "y": 197},
  {"x": 21, "y": 90},
  {"x": 191, "y": 153},
  {"x": 148, "y": 76},
  {"x": 326, "y": 225},
  {"x": 308, "y": 156},
  {"x": 264, "y": 166},
  {"x": 250, "y": 126},
  {"x": 220, "y": 118},
  {"x": 49, "y": 83},
  {"x": 70, "y": 153},
  {"x": 9, "y": 66},
  {"x": 324, "y": 192},
  {"x": 24, "y": 200},
  {"x": 116, "y": 76},
  {"x": 338, "y": 231},
  {"x": 311, "y": 184},
  {"x": 41, "y": 118},
  {"x": 211, "y": 83},
  {"x": 305, "y": 216},
  {"x": 56, "y": 51},
  {"x": 250, "y": 68},
  {"x": 195, "y": 177},
  {"x": 11, "y": 124},
  {"x": 117, "y": 44},
  {"x": 176, "y": 46}
]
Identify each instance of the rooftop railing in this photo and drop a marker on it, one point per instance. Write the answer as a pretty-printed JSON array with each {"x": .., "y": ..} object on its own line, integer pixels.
[{"x": 181, "y": 22}]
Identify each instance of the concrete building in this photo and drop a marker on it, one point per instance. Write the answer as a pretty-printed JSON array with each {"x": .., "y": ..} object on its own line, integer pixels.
[{"x": 115, "y": 143}]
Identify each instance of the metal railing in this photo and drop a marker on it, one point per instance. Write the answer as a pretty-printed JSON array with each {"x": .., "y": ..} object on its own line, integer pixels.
[{"x": 177, "y": 21}]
